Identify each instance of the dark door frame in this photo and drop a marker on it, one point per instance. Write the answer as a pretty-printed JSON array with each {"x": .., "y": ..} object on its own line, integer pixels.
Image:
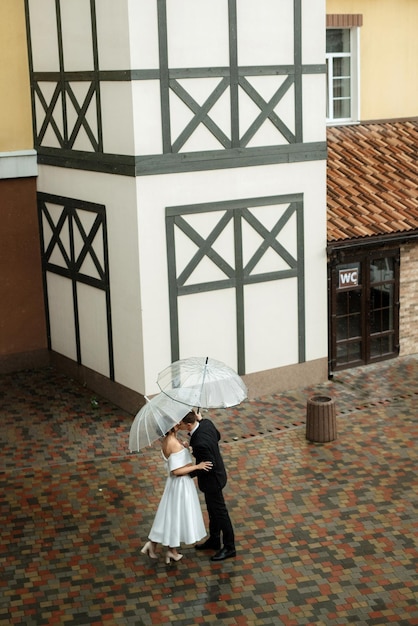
[{"x": 365, "y": 255}]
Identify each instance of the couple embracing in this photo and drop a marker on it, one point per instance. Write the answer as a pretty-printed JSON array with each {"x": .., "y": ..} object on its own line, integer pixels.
[{"x": 179, "y": 517}]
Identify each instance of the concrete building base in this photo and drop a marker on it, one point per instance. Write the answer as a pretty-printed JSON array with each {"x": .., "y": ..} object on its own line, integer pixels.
[
  {"x": 285, "y": 378},
  {"x": 34, "y": 359},
  {"x": 123, "y": 397},
  {"x": 259, "y": 384}
]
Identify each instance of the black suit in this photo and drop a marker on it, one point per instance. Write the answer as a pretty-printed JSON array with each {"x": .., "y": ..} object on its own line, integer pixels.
[{"x": 204, "y": 442}]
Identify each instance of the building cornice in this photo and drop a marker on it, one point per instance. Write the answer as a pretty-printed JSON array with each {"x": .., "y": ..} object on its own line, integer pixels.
[{"x": 18, "y": 164}]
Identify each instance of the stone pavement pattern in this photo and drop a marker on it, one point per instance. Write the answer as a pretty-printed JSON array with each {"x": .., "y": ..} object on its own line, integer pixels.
[{"x": 326, "y": 533}]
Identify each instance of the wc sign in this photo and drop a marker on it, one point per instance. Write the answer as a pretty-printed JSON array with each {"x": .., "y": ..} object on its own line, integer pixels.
[{"x": 348, "y": 277}]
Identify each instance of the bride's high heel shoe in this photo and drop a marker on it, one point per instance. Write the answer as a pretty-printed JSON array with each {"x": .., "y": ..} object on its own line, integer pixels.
[
  {"x": 148, "y": 549},
  {"x": 170, "y": 555}
]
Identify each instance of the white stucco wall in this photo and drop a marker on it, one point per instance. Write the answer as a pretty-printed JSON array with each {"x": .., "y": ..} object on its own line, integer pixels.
[
  {"x": 207, "y": 321},
  {"x": 118, "y": 195},
  {"x": 135, "y": 211}
]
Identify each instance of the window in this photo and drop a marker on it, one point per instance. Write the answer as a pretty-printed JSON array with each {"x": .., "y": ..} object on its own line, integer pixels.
[{"x": 342, "y": 75}]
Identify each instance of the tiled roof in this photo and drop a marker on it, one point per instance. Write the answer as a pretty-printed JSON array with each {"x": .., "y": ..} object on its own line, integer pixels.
[{"x": 372, "y": 183}]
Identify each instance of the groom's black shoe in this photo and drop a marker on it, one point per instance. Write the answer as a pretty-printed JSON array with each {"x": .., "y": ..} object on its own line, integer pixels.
[
  {"x": 223, "y": 554},
  {"x": 209, "y": 544}
]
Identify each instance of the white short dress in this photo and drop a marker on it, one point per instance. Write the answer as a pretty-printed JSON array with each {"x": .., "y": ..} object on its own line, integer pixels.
[{"x": 179, "y": 516}]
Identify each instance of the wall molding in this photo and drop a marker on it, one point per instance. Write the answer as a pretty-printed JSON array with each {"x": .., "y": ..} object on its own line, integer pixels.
[
  {"x": 147, "y": 165},
  {"x": 18, "y": 164}
]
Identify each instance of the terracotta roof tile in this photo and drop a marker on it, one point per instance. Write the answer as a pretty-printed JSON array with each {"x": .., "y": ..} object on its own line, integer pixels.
[{"x": 372, "y": 179}]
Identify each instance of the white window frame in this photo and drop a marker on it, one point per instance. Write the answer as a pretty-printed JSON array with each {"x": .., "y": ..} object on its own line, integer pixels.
[{"x": 354, "y": 55}]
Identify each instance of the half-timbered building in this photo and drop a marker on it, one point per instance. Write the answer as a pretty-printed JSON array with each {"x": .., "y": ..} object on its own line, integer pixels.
[{"x": 181, "y": 190}]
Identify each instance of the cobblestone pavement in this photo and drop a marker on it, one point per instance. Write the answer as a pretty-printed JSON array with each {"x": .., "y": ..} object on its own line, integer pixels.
[{"x": 326, "y": 533}]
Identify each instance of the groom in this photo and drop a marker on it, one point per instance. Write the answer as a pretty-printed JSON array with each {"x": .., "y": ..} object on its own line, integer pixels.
[{"x": 204, "y": 438}]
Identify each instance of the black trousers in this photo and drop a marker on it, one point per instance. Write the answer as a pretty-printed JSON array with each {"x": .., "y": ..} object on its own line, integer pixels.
[{"x": 219, "y": 520}]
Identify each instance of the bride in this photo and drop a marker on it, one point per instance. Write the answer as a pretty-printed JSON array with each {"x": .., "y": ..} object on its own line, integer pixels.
[{"x": 179, "y": 516}]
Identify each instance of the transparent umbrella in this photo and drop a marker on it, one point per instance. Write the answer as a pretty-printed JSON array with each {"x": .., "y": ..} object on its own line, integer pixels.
[
  {"x": 202, "y": 382},
  {"x": 154, "y": 420}
]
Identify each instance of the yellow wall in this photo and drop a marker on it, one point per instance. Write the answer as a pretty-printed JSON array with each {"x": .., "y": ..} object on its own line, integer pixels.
[
  {"x": 15, "y": 107},
  {"x": 388, "y": 56}
]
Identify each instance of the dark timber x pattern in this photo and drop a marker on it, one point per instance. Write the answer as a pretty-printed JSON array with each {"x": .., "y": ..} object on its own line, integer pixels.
[
  {"x": 54, "y": 111},
  {"x": 233, "y": 78},
  {"x": 63, "y": 94},
  {"x": 243, "y": 273},
  {"x": 266, "y": 110},
  {"x": 67, "y": 230},
  {"x": 67, "y": 137},
  {"x": 201, "y": 112}
]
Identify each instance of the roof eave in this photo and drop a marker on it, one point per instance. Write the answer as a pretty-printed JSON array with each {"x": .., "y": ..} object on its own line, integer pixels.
[{"x": 398, "y": 238}]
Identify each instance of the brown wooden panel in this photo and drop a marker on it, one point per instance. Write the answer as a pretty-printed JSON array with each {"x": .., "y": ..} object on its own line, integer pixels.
[{"x": 22, "y": 313}]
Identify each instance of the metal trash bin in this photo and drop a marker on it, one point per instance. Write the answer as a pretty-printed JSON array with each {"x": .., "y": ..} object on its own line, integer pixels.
[{"x": 321, "y": 422}]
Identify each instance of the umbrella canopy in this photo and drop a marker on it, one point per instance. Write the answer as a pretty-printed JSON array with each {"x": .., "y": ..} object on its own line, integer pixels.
[
  {"x": 154, "y": 420},
  {"x": 202, "y": 382}
]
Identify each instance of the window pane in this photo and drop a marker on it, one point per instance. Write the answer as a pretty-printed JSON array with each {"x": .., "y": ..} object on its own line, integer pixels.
[
  {"x": 348, "y": 327},
  {"x": 342, "y": 329},
  {"x": 348, "y": 352},
  {"x": 341, "y": 88},
  {"x": 381, "y": 269},
  {"x": 342, "y": 354},
  {"x": 355, "y": 326},
  {"x": 342, "y": 304},
  {"x": 341, "y": 67},
  {"x": 381, "y": 320},
  {"x": 354, "y": 351},
  {"x": 381, "y": 308},
  {"x": 348, "y": 302},
  {"x": 381, "y": 296},
  {"x": 376, "y": 322},
  {"x": 379, "y": 346},
  {"x": 338, "y": 40},
  {"x": 342, "y": 109}
]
